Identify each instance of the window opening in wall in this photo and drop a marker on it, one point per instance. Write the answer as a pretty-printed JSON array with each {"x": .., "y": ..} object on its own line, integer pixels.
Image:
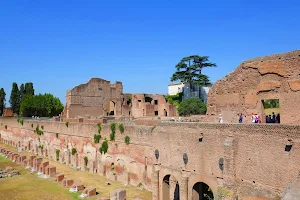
[
  {"x": 288, "y": 147},
  {"x": 156, "y": 113},
  {"x": 139, "y": 100},
  {"x": 271, "y": 111},
  {"x": 155, "y": 102},
  {"x": 165, "y": 112},
  {"x": 148, "y": 99},
  {"x": 143, "y": 112}
]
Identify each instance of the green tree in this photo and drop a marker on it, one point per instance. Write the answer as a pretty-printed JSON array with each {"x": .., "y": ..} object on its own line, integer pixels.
[
  {"x": 15, "y": 98},
  {"x": 40, "y": 105},
  {"x": 189, "y": 70},
  {"x": 22, "y": 91},
  {"x": 29, "y": 88},
  {"x": 2, "y": 101},
  {"x": 192, "y": 106}
]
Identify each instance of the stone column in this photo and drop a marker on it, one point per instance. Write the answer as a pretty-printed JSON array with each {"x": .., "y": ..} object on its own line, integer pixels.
[
  {"x": 155, "y": 183},
  {"x": 183, "y": 186}
]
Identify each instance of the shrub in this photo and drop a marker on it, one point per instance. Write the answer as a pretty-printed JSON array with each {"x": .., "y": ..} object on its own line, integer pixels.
[
  {"x": 121, "y": 128},
  {"x": 104, "y": 147},
  {"x": 56, "y": 135},
  {"x": 57, "y": 154},
  {"x": 192, "y": 106},
  {"x": 5, "y": 126},
  {"x": 38, "y": 131},
  {"x": 97, "y": 138},
  {"x": 112, "y": 137},
  {"x": 18, "y": 120},
  {"x": 22, "y": 122},
  {"x": 113, "y": 127},
  {"x": 152, "y": 129},
  {"x": 42, "y": 127},
  {"x": 127, "y": 139},
  {"x": 67, "y": 124},
  {"x": 99, "y": 127},
  {"x": 74, "y": 151},
  {"x": 86, "y": 160}
]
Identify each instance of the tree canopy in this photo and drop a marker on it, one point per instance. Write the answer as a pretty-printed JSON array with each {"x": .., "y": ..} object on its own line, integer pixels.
[
  {"x": 40, "y": 105},
  {"x": 29, "y": 88},
  {"x": 189, "y": 70},
  {"x": 191, "y": 106},
  {"x": 2, "y": 101},
  {"x": 15, "y": 98}
]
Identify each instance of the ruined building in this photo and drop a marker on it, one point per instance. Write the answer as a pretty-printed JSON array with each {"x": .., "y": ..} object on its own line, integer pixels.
[
  {"x": 254, "y": 81},
  {"x": 99, "y": 98}
]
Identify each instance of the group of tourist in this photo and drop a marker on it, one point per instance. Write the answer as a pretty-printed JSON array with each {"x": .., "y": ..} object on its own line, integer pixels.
[
  {"x": 273, "y": 118},
  {"x": 255, "y": 118}
]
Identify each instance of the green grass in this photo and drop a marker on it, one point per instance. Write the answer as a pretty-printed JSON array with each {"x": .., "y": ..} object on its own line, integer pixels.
[{"x": 29, "y": 186}]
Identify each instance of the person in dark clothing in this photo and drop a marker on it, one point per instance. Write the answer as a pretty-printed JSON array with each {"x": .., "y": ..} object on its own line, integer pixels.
[
  {"x": 273, "y": 117},
  {"x": 267, "y": 119},
  {"x": 278, "y": 118},
  {"x": 241, "y": 118}
]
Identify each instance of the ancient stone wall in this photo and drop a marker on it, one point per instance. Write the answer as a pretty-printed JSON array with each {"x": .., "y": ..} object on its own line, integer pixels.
[
  {"x": 243, "y": 90},
  {"x": 258, "y": 160},
  {"x": 151, "y": 105},
  {"x": 99, "y": 98},
  {"x": 94, "y": 99}
]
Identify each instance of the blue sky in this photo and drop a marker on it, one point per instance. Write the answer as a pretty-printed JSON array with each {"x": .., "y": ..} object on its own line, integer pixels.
[{"x": 60, "y": 44}]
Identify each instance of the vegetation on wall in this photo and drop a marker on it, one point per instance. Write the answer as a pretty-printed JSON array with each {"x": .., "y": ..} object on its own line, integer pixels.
[
  {"x": 192, "y": 106},
  {"x": 67, "y": 124},
  {"x": 56, "y": 135},
  {"x": 31, "y": 125},
  {"x": 175, "y": 99},
  {"x": 104, "y": 147},
  {"x": 99, "y": 127},
  {"x": 121, "y": 128},
  {"x": 57, "y": 154},
  {"x": 74, "y": 151},
  {"x": 42, "y": 127},
  {"x": 112, "y": 136},
  {"x": 97, "y": 138},
  {"x": 5, "y": 126},
  {"x": 38, "y": 131},
  {"x": 127, "y": 139},
  {"x": 86, "y": 160},
  {"x": 113, "y": 127},
  {"x": 40, "y": 105}
]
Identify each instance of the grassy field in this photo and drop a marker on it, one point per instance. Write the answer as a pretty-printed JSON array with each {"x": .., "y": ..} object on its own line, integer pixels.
[
  {"x": 29, "y": 186},
  {"x": 33, "y": 187}
]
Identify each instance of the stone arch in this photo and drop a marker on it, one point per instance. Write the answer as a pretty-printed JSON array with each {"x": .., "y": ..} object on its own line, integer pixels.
[
  {"x": 112, "y": 108},
  {"x": 211, "y": 182},
  {"x": 170, "y": 188},
  {"x": 202, "y": 191}
]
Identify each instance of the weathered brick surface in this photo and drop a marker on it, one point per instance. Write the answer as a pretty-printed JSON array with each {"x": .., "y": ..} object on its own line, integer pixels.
[
  {"x": 242, "y": 91},
  {"x": 255, "y": 160}
]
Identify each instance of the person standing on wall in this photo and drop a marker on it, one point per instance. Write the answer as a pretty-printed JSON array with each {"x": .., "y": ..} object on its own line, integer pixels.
[{"x": 241, "y": 118}]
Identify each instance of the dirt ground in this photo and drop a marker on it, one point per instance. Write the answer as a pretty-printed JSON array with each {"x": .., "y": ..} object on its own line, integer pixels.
[{"x": 88, "y": 179}]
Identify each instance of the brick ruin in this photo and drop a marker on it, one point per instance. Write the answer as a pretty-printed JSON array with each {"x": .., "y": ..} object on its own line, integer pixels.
[
  {"x": 243, "y": 90},
  {"x": 183, "y": 159},
  {"x": 98, "y": 98},
  {"x": 162, "y": 156}
]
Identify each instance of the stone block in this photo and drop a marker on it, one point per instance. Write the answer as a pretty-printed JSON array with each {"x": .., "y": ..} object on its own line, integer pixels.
[
  {"x": 78, "y": 186},
  {"x": 91, "y": 191},
  {"x": 119, "y": 194},
  {"x": 59, "y": 177}
]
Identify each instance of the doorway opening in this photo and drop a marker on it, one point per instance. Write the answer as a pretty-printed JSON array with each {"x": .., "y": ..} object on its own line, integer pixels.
[
  {"x": 201, "y": 191},
  {"x": 271, "y": 111}
]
